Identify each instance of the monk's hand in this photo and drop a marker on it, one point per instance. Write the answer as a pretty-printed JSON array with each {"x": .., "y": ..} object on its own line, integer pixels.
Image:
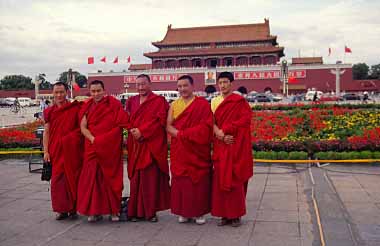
[
  {"x": 219, "y": 134},
  {"x": 172, "y": 131},
  {"x": 46, "y": 157},
  {"x": 92, "y": 139},
  {"x": 228, "y": 139},
  {"x": 136, "y": 133}
]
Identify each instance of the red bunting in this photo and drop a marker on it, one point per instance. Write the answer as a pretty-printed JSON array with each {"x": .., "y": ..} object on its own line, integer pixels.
[
  {"x": 347, "y": 50},
  {"x": 76, "y": 86},
  {"x": 90, "y": 60},
  {"x": 292, "y": 79}
]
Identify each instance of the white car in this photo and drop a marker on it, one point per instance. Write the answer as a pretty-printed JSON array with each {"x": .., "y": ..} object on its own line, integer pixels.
[
  {"x": 25, "y": 101},
  {"x": 127, "y": 95},
  {"x": 310, "y": 95},
  {"x": 170, "y": 96},
  {"x": 10, "y": 101}
]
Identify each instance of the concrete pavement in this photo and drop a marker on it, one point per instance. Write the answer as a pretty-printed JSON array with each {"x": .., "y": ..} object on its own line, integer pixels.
[{"x": 280, "y": 211}]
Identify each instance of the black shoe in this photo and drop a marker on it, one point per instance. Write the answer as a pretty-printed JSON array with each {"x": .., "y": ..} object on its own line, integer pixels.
[
  {"x": 62, "y": 216},
  {"x": 224, "y": 221},
  {"x": 94, "y": 218},
  {"x": 154, "y": 219},
  {"x": 73, "y": 216},
  {"x": 133, "y": 219},
  {"x": 236, "y": 222}
]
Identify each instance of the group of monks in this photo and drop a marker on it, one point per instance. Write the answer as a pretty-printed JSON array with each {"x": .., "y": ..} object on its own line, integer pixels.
[{"x": 210, "y": 153}]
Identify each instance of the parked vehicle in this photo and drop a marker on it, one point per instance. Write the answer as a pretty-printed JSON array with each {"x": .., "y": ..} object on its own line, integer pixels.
[
  {"x": 330, "y": 98},
  {"x": 251, "y": 98},
  {"x": 170, "y": 96},
  {"x": 309, "y": 96},
  {"x": 127, "y": 95},
  {"x": 277, "y": 97},
  {"x": 3, "y": 102},
  {"x": 9, "y": 101},
  {"x": 25, "y": 101},
  {"x": 81, "y": 98},
  {"x": 351, "y": 96},
  {"x": 263, "y": 98}
]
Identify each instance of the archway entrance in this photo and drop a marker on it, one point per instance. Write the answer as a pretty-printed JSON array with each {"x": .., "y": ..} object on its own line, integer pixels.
[
  {"x": 242, "y": 90},
  {"x": 210, "y": 89}
]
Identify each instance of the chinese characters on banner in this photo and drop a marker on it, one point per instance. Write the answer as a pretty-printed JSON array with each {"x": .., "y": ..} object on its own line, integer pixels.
[
  {"x": 268, "y": 74},
  {"x": 275, "y": 74},
  {"x": 154, "y": 78}
]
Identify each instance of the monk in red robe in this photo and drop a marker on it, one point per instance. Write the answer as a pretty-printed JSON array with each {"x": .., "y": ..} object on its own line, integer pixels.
[
  {"x": 190, "y": 125},
  {"x": 148, "y": 169},
  {"x": 101, "y": 181},
  {"x": 232, "y": 153},
  {"x": 62, "y": 143}
]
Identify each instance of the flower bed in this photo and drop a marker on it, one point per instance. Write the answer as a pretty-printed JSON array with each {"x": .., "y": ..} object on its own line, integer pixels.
[
  {"x": 315, "y": 105},
  {"x": 20, "y": 136},
  {"x": 316, "y": 129}
]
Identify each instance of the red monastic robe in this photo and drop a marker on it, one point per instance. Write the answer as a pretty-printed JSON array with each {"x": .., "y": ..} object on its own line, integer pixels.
[
  {"x": 148, "y": 168},
  {"x": 65, "y": 149},
  {"x": 233, "y": 164},
  {"x": 101, "y": 181},
  {"x": 190, "y": 156}
]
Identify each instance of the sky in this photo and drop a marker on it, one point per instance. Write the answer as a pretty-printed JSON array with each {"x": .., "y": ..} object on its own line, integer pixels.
[{"x": 51, "y": 36}]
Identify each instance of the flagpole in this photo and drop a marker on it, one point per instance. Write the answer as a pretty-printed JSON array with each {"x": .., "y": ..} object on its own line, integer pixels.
[{"x": 344, "y": 58}]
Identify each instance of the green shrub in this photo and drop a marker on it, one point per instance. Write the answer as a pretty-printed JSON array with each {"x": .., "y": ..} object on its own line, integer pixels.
[
  {"x": 298, "y": 155},
  {"x": 354, "y": 155},
  {"x": 365, "y": 154},
  {"x": 282, "y": 155},
  {"x": 345, "y": 155},
  {"x": 332, "y": 155},
  {"x": 271, "y": 155},
  {"x": 376, "y": 154},
  {"x": 259, "y": 155},
  {"x": 321, "y": 155}
]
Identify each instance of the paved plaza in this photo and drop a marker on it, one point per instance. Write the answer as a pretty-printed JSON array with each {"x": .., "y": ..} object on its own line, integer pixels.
[
  {"x": 280, "y": 208},
  {"x": 8, "y": 118}
]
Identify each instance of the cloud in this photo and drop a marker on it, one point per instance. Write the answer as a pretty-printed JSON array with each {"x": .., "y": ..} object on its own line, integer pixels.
[{"x": 52, "y": 36}]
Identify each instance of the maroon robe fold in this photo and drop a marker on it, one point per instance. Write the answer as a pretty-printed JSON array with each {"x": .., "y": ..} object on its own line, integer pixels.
[
  {"x": 101, "y": 180},
  {"x": 65, "y": 149},
  {"x": 190, "y": 155},
  {"x": 233, "y": 164},
  {"x": 148, "y": 168}
]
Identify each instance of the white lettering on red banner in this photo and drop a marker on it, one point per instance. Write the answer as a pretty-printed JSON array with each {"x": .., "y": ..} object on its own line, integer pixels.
[
  {"x": 154, "y": 78},
  {"x": 268, "y": 74},
  {"x": 238, "y": 75}
]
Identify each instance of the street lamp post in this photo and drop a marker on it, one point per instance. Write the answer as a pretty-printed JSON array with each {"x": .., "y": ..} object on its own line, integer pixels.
[
  {"x": 37, "y": 83},
  {"x": 337, "y": 73},
  {"x": 70, "y": 81},
  {"x": 284, "y": 77}
]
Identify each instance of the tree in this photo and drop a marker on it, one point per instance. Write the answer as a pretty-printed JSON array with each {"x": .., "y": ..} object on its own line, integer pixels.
[
  {"x": 80, "y": 79},
  {"x": 16, "y": 82},
  {"x": 360, "y": 71},
  {"x": 375, "y": 72},
  {"x": 44, "y": 85}
]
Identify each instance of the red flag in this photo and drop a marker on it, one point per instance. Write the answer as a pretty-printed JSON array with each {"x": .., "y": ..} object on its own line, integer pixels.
[
  {"x": 347, "y": 50},
  {"x": 329, "y": 51},
  {"x": 292, "y": 79},
  {"x": 103, "y": 59},
  {"x": 76, "y": 86},
  {"x": 90, "y": 60},
  {"x": 129, "y": 59},
  {"x": 116, "y": 60}
]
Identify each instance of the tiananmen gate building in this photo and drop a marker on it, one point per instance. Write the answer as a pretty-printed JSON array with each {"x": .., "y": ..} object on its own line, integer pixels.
[{"x": 249, "y": 51}]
